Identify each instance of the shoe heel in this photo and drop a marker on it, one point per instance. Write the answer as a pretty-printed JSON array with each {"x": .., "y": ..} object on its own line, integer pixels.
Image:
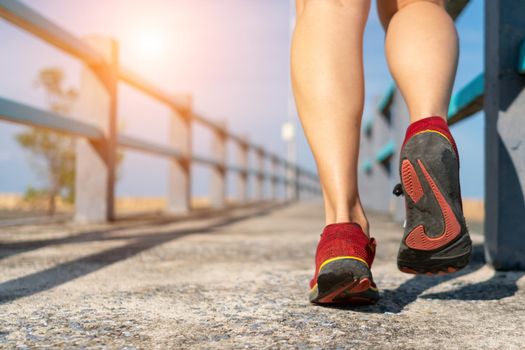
[
  {"x": 341, "y": 272},
  {"x": 454, "y": 258},
  {"x": 343, "y": 280}
]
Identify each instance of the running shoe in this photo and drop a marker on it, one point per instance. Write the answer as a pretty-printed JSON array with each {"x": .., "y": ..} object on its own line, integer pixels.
[
  {"x": 342, "y": 266},
  {"x": 436, "y": 238}
]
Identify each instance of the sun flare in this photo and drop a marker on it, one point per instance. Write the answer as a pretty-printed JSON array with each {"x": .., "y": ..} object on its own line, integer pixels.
[{"x": 151, "y": 42}]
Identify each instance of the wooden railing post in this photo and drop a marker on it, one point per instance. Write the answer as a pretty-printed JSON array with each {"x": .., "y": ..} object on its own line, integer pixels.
[
  {"x": 400, "y": 121},
  {"x": 259, "y": 178},
  {"x": 297, "y": 182},
  {"x": 290, "y": 181},
  {"x": 504, "y": 135},
  {"x": 242, "y": 176},
  {"x": 380, "y": 180},
  {"x": 274, "y": 177},
  {"x": 179, "y": 178},
  {"x": 218, "y": 172},
  {"x": 96, "y": 162}
]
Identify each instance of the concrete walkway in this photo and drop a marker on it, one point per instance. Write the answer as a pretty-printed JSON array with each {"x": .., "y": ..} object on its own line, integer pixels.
[{"x": 234, "y": 282}]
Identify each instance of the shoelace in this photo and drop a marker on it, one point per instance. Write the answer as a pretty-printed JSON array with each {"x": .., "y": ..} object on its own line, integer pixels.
[{"x": 398, "y": 190}]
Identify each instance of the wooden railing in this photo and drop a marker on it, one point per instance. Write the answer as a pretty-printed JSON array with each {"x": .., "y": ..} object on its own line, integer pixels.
[
  {"x": 500, "y": 93},
  {"x": 95, "y": 125}
]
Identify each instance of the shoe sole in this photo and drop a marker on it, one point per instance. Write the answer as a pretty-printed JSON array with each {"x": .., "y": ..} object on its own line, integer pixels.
[
  {"x": 436, "y": 239},
  {"x": 344, "y": 282}
]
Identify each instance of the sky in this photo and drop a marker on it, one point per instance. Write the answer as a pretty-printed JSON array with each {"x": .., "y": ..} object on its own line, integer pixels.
[{"x": 232, "y": 56}]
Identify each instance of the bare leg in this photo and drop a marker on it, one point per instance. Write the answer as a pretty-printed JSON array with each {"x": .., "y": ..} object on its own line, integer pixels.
[
  {"x": 422, "y": 52},
  {"x": 327, "y": 78}
]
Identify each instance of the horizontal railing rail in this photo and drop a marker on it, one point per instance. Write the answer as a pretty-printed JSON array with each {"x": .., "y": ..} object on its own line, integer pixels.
[
  {"x": 467, "y": 101},
  {"x": 108, "y": 73},
  {"x": 24, "y": 114}
]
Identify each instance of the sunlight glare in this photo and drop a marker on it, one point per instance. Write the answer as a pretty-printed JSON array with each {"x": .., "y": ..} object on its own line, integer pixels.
[{"x": 151, "y": 43}]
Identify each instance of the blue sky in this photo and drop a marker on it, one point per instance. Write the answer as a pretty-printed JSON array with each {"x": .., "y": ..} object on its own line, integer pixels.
[{"x": 232, "y": 55}]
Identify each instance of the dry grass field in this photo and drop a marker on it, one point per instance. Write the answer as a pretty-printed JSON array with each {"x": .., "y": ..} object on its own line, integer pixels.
[{"x": 14, "y": 206}]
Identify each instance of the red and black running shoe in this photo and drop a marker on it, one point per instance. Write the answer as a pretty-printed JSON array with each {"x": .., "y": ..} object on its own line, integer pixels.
[
  {"x": 436, "y": 238},
  {"x": 342, "y": 267}
]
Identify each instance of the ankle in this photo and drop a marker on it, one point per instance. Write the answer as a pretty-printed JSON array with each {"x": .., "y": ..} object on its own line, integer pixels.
[{"x": 355, "y": 214}]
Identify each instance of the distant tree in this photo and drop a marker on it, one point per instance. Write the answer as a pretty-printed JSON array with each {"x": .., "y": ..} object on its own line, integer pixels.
[{"x": 52, "y": 154}]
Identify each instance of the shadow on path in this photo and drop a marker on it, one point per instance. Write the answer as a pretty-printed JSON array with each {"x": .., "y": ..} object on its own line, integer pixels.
[
  {"x": 68, "y": 271},
  {"x": 136, "y": 222},
  {"x": 501, "y": 285}
]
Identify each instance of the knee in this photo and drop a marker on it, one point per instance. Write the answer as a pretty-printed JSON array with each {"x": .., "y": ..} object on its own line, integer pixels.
[{"x": 388, "y": 8}]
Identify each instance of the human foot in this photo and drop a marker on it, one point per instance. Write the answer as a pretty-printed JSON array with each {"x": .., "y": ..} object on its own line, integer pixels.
[
  {"x": 436, "y": 238},
  {"x": 343, "y": 260}
]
